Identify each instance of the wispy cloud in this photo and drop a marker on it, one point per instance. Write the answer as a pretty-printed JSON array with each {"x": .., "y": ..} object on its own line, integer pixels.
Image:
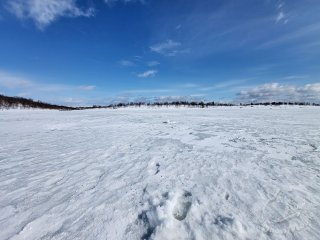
[
  {"x": 189, "y": 85},
  {"x": 149, "y": 73},
  {"x": 72, "y": 101},
  {"x": 279, "y": 92},
  {"x": 301, "y": 33},
  {"x": 11, "y": 81},
  {"x": 110, "y": 2},
  {"x": 188, "y": 98},
  {"x": 87, "y": 88},
  {"x": 167, "y": 48},
  {"x": 281, "y": 15},
  {"x": 149, "y": 91},
  {"x": 225, "y": 84},
  {"x": 153, "y": 63},
  {"x": 44, "y": 12},
  {"x": 127, "y": 63},
  {"x": 291, "y": 77}
]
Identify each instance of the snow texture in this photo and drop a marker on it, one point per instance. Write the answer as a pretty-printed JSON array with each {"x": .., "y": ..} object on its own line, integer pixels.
[{"x": 217, "y": 173}]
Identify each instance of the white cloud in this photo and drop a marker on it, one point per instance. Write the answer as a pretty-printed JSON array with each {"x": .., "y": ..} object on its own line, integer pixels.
[
  {"x": 278, "y": 92},
  {"x": 44, "y": 12},
  {"x": 87, "y": 88},
  {"x": 127, "y": 63},
  {"x": 149, "y": 73},
  {"x": 167, "y": 48},
  {"x": 153, "y": 63}
]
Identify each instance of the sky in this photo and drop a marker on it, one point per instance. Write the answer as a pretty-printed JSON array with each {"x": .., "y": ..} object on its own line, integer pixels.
[{"x": 84, "y": 52}]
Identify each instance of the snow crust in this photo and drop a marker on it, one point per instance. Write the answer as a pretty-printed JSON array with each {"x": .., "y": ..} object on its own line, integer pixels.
[{"x": 227, "y": 173}]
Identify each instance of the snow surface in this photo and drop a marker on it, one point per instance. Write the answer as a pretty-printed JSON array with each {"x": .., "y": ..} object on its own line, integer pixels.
[{"x": 233, "y": 173}]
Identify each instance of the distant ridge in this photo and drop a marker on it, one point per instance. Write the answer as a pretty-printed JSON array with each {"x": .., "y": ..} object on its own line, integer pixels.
[{"x": 20, "y": 102}]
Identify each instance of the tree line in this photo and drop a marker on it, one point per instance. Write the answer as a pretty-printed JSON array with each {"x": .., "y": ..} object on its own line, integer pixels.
[
  {"x": 280, "y": 104},
  {"x": 200, "y": 104},
  {"x": 20, "y": 102},
  {"x": 17, "y": 102}
]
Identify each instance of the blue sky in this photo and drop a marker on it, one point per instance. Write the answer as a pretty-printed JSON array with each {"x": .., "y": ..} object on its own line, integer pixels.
[{"x": 100, "y": 51}]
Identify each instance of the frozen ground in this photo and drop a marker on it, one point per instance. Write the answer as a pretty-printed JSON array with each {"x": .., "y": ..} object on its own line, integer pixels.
[{"x": 221, "y": 173}]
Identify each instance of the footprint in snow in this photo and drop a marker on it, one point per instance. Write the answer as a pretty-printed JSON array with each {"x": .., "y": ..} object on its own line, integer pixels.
[
  {"x": 313, "y": 146},
  {"x": 227, "y": 196},
  {"x": 182, "y": 204},
  {"x": 223, "y": 221},
  {"x": 149, "y": 219},
  {"x": 168, "y": 122},
  {"x": 158, "y": 168}
]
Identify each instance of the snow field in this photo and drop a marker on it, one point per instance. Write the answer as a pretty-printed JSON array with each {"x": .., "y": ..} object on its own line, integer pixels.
[{"x": 217, "y": 173}]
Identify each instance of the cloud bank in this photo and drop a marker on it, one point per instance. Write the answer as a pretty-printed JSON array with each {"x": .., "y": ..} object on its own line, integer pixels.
[{"x": 278, "y": 92}]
